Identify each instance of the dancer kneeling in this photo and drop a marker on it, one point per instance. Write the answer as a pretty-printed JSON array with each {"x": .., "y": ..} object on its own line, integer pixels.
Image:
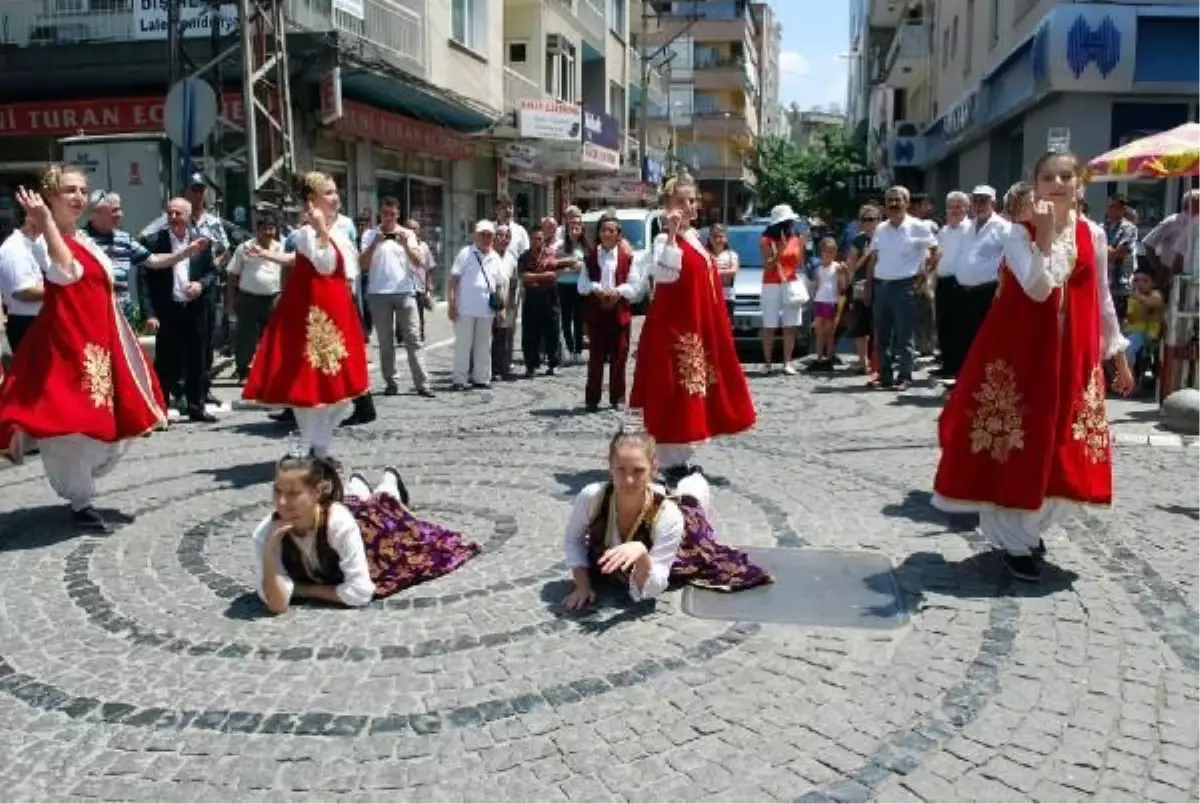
[
  {"x": 628, "y": 529},
  {"x": 346, "y": 545}
]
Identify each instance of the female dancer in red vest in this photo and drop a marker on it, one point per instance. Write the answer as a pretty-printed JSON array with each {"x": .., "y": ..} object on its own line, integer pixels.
[
  {"x": 1024, "y": 436},
  {"x": 80, "y": 385},
  {"x": 319, "y": 380},
  {"x": 688, "y": 382},
  {"x": 609, "y": 285}
]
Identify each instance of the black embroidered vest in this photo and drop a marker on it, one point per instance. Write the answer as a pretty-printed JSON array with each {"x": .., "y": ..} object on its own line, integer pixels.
[
  {"x": 329, "y": 564},
  {"x": 597, "y": 534}
]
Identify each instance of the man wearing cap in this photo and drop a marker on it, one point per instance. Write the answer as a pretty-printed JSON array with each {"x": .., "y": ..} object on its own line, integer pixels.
[
  {"x": 474, "y": 280},
  {"x": 979, "y": 269},
  {"x": 1122, "y": 237}
]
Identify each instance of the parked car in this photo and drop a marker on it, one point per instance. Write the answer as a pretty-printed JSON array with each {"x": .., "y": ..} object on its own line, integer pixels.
[{"x": 638, "y": 225}]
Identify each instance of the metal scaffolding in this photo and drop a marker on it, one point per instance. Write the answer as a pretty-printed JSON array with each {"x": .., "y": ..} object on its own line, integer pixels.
[{"x": 261, "y": 144}]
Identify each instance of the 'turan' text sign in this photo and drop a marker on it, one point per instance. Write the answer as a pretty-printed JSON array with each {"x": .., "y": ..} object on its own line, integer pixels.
[{"x": 196, "y": 18}]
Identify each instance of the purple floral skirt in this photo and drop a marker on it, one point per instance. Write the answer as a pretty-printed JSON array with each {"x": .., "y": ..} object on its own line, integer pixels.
[
  {"x": 401, "y": 549},
  {"x": 705, "y": 562}
]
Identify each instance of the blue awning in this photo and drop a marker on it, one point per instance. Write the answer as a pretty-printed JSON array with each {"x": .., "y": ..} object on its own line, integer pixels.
[{"x": 410, "y": 96}]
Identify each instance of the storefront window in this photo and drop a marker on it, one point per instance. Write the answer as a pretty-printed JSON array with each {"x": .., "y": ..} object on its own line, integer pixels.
[{"x": 426, "y": 203}]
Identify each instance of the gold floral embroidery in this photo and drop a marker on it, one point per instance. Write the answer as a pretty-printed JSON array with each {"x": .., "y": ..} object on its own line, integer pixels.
[
  {"x": 1091, "y": 419},
  {"x": 324, "y": 345},
  {"x": 696, "y": 374},
  {"x": 996, "y": 425},
  {"x": 98, "y": 375}
]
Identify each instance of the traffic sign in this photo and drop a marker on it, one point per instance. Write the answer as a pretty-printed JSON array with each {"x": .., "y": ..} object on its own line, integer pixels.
[{"x": 190, "y": 113}]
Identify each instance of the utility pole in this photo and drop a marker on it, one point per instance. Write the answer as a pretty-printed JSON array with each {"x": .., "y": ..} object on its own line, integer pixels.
[{"x": 174, "y": 74}]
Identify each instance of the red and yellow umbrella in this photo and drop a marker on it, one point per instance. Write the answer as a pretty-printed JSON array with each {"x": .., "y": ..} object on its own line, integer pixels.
[{"x": 1158, "y": 156}]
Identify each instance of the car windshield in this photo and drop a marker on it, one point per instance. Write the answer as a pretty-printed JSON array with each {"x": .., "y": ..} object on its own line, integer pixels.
[
  {"x": 632, "y": 229},
  {"x": 745, "y": 241}
]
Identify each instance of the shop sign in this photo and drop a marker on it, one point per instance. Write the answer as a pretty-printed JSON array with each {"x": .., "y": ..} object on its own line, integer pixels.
[
  {"x": 550, "y": 120},
  {"x": 70, "y": 118},
  {"x": 601, "y": 129},
  {"x": 611, "y": 188},
  {"x": 960, "y": 118},
  {"x": 603, "y": 158},
  {"x": 519, "y": 155},
  {"x": 331, "y": 97},
  {"x": 195, "y": 18},
  {"x": 400, "y": 133}
]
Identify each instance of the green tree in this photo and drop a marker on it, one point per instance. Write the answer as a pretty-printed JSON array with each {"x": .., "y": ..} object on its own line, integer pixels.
[
  {"x": 776, "y": 163},
  {"x": 826, "y": 171}
]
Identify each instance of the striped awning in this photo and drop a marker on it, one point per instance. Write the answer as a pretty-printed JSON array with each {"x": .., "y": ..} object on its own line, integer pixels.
[{"x": 1159, "y": 156}]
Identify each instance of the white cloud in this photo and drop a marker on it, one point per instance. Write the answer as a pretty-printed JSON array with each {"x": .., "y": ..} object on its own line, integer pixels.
[{"x": 793, "y": 65}]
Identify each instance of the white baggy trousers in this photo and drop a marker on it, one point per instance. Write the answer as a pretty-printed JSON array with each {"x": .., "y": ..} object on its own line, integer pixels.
[{"x": 73, "y": 463}]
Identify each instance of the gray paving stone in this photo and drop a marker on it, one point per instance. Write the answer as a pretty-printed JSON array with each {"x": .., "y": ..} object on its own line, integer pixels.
[{"x": 164, "y": 683}]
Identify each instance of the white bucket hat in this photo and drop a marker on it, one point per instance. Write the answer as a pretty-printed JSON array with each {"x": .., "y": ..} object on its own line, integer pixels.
[{"x": 782, "y": 214}]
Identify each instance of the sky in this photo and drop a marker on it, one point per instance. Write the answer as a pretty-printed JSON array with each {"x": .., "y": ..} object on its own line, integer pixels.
[{"x": 812, "y": 72}]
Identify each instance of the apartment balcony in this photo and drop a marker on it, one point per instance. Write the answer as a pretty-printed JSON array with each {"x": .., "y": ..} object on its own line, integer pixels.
[
  {"x": 735, "y": 171},
  {"x": 518, "y": 88},
  {"x": 720, "y": 75},
  {"x": 393, "y": 30},
  {"x": 886, "y": 13},
  {"x": 739, "y": 29},
  {"x": 586, "y": 17},
  {"x": 716, "y": 123},
  {"x": 903, "y": 66}
]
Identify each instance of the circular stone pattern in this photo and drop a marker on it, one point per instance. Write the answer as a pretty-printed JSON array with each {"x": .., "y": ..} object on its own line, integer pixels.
[{"x": 139, "y": 665}]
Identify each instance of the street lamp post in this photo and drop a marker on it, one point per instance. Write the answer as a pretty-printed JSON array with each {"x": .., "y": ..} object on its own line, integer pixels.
[{"x": 725, "y": 177}]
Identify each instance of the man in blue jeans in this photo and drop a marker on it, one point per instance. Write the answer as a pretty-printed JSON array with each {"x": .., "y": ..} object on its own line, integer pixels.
[{"x": 903, "y": 245}]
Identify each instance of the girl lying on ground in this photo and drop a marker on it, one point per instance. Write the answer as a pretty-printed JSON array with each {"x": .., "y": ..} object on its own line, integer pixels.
[
  {"x": 349, "y": 544},
  {"x": 628, "y": 530}
]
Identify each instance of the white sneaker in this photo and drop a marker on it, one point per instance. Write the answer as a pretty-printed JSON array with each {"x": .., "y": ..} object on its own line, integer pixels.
[{"x": 789, "y": 369}]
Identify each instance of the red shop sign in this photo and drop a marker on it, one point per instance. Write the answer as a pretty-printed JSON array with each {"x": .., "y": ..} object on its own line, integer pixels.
[
  {"x": 401, "y": 133},
  {"x": 106, "y": 116}
]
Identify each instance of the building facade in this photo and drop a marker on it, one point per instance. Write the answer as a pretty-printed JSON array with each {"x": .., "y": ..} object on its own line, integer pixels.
[
  {"x": 806, "y": 127},
  {"x": 438, "y": 103},
  {"x": 712, "y": 114},
  {"x": 973, "y": 91}
]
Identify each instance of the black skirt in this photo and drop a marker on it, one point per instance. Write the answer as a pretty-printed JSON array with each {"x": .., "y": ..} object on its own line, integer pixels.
[{"x": 860, "y": 318}]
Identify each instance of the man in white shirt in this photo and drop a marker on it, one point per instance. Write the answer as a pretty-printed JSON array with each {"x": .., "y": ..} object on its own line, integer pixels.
[
  {"x": 254, "y": 287},
  {"x": 474, "y": 281},
  {"x": 948, "y": 297},
  {"x": 428, "y": 269},
  {"x": 518, "y": 235},
  {"x": 505, "y": 323},
  {"x": 1166, "y": 244},
  {"x": 392, "y": 258},
  {"x": 22, "y": 264},
  {"x": 902, "y": 244},
  {"x": 979, "y": 270}
]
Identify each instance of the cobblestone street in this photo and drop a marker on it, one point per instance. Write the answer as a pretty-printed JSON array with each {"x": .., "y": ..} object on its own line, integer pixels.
[{"x": 140, "y": 666}]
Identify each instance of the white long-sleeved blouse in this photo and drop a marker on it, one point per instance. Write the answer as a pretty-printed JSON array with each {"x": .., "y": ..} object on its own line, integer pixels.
[
  {"x": 323, "y": 258},
  {"x": 631, "y": 290},
  {"x": 1038, "y": 275},
  {"x": 666, "y": 259},
  {"x": 341, "y": 529}
]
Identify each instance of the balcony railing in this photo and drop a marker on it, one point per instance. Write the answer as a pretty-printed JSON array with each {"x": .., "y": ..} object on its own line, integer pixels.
[
  {"x": 394, "y": 28},
  {"x": 719, "y": 63},
  {"x": 588, "y": 18},
  {"x": 518, "y": 88}
]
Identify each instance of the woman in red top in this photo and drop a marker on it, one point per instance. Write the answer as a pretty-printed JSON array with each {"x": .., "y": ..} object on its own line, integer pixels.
[
  {"x": 319, "y": 381},
  {"x": 783, "y": 292},
  {"x": 80, "y": 385},
  {"x": 688, "y": 382},
  {"x": 1024, "y": 435}
]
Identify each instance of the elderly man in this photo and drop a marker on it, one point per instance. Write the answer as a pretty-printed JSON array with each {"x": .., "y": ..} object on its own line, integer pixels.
[
  {"x": 474, "y": 281},
  {"x": 902, "y": 244},
  {"x": 948, "y": 299},
  {"x": 979, "y": 271},
  {"x": 254, "y": 287},
  {"x": 1166, "y": 244},
  {"x": 23, "y": 263},
  {"x": 518, "y": 236},
  {"x": 1122, "y": 236},
  {"x": 178, "y": 305},
  {"x": 128, "y": 256}
]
